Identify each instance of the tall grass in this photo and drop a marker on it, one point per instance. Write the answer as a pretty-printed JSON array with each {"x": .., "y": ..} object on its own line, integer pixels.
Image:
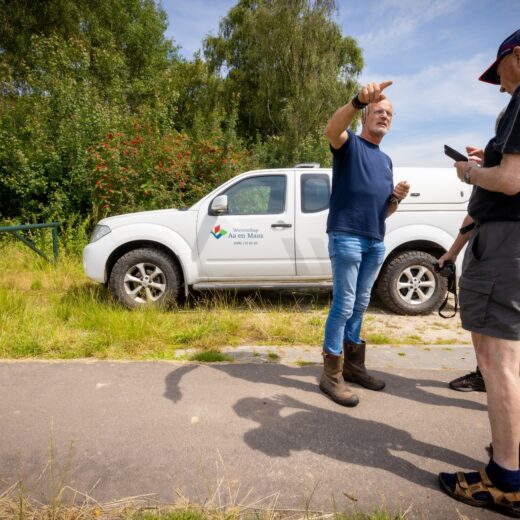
[
  {"x": 54, "y": 312},
  {"x": 49, "y": 311},
  {"x": 223, "y": 500}
]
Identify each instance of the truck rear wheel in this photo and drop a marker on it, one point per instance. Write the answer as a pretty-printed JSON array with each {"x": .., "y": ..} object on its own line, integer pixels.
[
  {"x": 145, "y": 276},
  {"x": 408, "y": 283}
]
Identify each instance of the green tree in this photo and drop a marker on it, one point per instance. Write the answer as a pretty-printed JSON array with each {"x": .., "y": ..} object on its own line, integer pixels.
[
  {"x": 199, "y": 92},
  {"x": 45, "y": 130},
  {"x": 289, "y": 66},
  {"x": 71, "y": 72},
  {"x": 124, "y": 38}
]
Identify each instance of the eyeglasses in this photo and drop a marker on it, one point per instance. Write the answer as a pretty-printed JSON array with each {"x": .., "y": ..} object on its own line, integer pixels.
[{"x": 382, "y": 112}]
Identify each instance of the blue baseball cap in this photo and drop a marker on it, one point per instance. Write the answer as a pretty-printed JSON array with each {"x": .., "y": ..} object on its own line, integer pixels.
[{"x": 506, "y": 47}]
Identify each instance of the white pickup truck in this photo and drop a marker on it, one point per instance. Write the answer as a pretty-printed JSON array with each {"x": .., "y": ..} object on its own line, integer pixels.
[{"x": 266, "y": 229}]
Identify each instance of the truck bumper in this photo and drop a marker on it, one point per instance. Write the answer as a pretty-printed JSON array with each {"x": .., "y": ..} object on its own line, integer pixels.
[{"x": 95, "y": 257}]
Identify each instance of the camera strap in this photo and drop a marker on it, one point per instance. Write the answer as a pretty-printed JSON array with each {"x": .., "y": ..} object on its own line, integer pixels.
[{"x": 452, "y": 288}]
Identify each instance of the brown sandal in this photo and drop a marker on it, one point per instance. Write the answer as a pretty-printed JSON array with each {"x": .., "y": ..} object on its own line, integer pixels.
[{"x": 505, "y": 503}]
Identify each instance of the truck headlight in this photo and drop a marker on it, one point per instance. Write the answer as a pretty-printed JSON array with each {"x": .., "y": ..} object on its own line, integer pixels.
[{"x": 99, "y": 232}]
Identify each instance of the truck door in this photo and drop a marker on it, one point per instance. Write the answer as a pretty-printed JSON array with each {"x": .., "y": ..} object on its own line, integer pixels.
[
  {"x": 312, "y": 202},
  {"x": 254, "y": 239}
]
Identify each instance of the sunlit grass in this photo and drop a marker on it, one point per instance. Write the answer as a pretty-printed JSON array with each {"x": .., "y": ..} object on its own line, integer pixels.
[
  {"x": 448, "y": 341},
  {"x": 222, "y": 502},
  {"x": 377, "y": 338},
  {"x": 210, "y": 356},
  {"x": 55, "y": 312},
  {"x": 413, "y": 339},
  {"x": 273, "y": 356},
  {"x": 49, "y": 311},
  {"x": 304, "y": 363}
]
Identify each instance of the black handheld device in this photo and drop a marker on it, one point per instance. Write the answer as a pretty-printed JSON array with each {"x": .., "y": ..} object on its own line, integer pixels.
[
  {"x": 447, "y": 269},
  {"x": 456, "y": 156}
]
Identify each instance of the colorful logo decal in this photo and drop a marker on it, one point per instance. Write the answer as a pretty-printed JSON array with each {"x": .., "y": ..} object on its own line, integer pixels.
[{"x": 218, "y": 232}]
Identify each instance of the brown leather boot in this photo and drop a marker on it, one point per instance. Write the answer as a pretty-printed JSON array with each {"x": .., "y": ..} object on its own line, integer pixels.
[
  {"x": 354, "y": 369},
  {"x": 332, "y": 382}
]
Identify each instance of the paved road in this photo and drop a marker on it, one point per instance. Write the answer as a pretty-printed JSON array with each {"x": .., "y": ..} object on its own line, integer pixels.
[{"x": 248, "y": 432}]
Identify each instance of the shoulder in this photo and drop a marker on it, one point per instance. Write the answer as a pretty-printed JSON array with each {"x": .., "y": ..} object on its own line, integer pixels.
[
  {"x": 342, "y": 150},
  {"x": 508, "y": 131}
]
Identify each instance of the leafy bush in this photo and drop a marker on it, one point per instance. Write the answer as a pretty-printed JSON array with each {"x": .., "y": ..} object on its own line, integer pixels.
[
  {"x": 47, "y": 122},
  {"x": 143, "y": 169},
  {"x": 99, "y": 114}
]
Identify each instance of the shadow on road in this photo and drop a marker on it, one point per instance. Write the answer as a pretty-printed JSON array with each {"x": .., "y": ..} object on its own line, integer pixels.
[
  {"x": 339, "y": 436},
  {"x": 287, "y": 376},
  {"x": 286, "y": 424}
]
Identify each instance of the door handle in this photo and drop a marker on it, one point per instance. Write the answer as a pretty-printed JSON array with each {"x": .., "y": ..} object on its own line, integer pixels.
[{"x": 281, "y": 225}]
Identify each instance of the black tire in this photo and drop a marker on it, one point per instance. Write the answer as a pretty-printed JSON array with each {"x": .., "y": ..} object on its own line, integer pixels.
[
  {"x": 145, "y": 277},
  {"x": 408, "y": 284}
]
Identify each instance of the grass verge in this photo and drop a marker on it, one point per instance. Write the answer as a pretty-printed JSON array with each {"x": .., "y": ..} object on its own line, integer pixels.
[
  {"x": 54, "y": 312},
  {"x": 15, "y": 505}
]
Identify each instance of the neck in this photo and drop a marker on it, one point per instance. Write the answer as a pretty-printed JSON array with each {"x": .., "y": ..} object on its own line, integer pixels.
[{"x": 371, "y": 138}]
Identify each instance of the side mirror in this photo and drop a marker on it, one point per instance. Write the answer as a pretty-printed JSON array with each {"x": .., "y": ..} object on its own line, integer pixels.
[{"x": 219, "y": 205}]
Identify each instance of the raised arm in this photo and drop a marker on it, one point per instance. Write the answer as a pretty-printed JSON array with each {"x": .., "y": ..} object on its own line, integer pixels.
[{"x": 336, "y": 129}]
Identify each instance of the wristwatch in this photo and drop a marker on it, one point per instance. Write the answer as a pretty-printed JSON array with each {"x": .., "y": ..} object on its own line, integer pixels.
[
  {"x": 357, "y": 103},
  {"x": 394, "y": 200}
]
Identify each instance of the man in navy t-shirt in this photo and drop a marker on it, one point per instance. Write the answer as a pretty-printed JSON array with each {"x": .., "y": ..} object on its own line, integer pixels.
[{"x": 362, "y": 197}]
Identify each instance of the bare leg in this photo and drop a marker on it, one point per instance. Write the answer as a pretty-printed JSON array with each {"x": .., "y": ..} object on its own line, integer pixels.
[{"x": 499, "y": 362}]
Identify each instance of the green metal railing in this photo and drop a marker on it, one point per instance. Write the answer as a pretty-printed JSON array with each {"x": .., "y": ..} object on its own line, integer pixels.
[{"x": 14, "y": 230}]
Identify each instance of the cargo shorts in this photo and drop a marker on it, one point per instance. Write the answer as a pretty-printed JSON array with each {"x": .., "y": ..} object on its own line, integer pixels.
[{"x": 490, "y": 282}]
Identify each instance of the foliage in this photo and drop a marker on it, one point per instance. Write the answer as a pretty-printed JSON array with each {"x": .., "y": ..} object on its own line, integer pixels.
[
  {"x": 290, "y": 68},
  {"x": 125, "y": 38},
  {"x": 99, "y": 114},
  {"x": 71, "y": 72},
  {"x": 199, "y": 92},
  {"x": 45, "y": 130},
  {"x": 145, "y": 169}
]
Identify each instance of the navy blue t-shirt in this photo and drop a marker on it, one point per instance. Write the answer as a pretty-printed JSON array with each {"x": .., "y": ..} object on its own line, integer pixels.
[{"x": 362, "y": 182}]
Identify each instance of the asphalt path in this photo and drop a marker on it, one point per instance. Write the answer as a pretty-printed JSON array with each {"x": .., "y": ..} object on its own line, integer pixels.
[{"x": 250, "y": 433}]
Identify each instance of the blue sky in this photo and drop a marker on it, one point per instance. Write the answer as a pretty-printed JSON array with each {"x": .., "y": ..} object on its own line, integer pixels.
[{"x": 433, "y": 50}]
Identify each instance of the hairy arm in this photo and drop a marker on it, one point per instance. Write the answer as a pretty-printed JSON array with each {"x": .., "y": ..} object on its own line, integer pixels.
[
  {"x": 504, "y": 178},
  {"x": 458, "y": 243},
  {"x": 400, "y": 192},
  {"x": 335, "y": 131}
]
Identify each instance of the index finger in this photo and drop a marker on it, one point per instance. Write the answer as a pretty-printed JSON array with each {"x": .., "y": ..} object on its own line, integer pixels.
[{"x": 385, "y": 84}]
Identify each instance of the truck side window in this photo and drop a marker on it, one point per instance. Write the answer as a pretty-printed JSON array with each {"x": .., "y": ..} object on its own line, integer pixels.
[
  {"x": 262, "y": 195},
  {"x": 315, "y": 192}
]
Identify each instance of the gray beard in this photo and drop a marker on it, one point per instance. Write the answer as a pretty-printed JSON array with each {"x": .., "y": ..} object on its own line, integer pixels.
[{"x": 379, "y": 133}]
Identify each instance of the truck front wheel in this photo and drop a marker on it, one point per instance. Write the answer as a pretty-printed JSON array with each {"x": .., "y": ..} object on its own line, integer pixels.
[
  {"x": 145, "y": 277},
  {"x": 408, "y": 283}
]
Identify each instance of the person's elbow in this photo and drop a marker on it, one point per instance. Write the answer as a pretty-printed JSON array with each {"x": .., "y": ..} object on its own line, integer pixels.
[
  {"x": 335, "y": 138},
  {"x": 328, "y": 132}
]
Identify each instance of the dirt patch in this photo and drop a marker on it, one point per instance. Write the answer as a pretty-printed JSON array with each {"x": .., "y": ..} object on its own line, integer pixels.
[{"x": 383, "y": 327}]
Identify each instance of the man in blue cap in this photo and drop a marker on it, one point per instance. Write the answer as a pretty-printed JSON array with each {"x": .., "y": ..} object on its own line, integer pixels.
[{"x": 490, "y": 293}]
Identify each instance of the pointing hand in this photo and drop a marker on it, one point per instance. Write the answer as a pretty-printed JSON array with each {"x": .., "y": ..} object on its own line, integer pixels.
[{"x": 373, "y": 92}]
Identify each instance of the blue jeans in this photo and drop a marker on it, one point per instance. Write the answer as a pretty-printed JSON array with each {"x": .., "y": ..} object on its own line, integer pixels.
[{"x": 355, "y": 262}]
